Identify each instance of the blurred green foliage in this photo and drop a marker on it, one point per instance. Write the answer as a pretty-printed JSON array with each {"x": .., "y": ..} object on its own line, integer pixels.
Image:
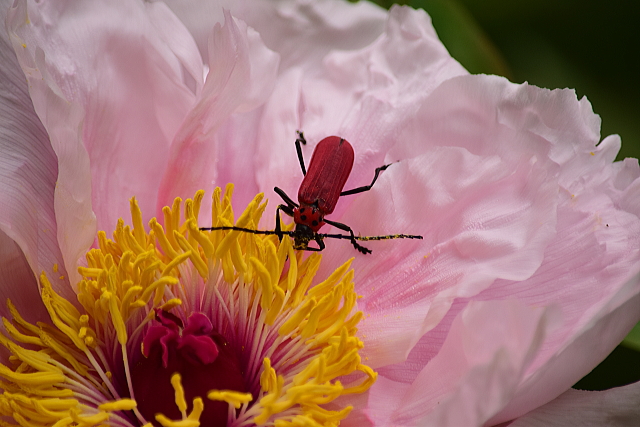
[
  {"x": 588, "y": 45},
  {"x": 632, "y": 341}
]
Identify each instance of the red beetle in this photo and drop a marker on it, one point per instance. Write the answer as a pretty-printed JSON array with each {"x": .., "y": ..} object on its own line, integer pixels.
[{"x": 319, "y": 192}]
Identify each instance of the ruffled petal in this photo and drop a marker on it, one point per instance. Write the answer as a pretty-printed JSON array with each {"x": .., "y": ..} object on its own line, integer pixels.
[
  {"x": 494, "y": 222},
  {"x": 301, "y": 32},
  {"x": 487, "y": 348},
  {"x": 587, "y": 268},
  {"x": 242, "y": 74},
  {"x": 615, "y": 407},
  {"x": 580, "y": 352},
  {"x": 111, "y": 88}
]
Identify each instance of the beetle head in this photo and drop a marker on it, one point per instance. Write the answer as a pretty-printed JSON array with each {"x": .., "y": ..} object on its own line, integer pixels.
[{"x": 303, "y": 235}]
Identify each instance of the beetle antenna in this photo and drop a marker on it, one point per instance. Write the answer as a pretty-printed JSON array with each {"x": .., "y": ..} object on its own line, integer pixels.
[
  {"x": 249, "y": 230},
  {"x": 365, "y": 238},
  {"x": 321, "y": 235}
]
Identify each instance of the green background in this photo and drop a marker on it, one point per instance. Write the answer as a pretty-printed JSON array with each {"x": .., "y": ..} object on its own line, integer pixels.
[{"x": 590, "y": 46}]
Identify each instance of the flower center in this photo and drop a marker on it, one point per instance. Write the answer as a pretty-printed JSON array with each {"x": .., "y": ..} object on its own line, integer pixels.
[
  {"x": 199, "y": 354},
  {"x": 177, "y": 327}
]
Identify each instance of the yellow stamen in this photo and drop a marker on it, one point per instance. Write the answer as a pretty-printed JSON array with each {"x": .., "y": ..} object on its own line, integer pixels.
[
  {"x": 176, "y": 382},
  {"x": 233, "y": 398},
  {"x": 299, "y": 339},
  {"x": 268, "y": 379},
  {"x": 198, "y": 407},
  {"x": 118, "y": 405},
  {"x": 166, "y": 422}
]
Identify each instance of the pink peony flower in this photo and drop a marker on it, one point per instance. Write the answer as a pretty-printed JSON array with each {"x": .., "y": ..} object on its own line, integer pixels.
[{"x": 527, "y": 277}]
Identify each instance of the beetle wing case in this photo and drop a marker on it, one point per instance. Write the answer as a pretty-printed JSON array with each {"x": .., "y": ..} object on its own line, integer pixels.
[{"x": 328, "y": 171}]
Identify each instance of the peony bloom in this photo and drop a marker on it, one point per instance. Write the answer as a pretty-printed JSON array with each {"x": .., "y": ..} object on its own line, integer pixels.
[{"x": 115, "y": 114}]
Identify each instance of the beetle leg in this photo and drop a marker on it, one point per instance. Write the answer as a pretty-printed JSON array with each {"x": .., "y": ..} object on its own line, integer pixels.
[
  {"x": 288, "y": 211},
  {"x": 318, "y": 240},
  {"x": 290, "y": 203},
  {"x": 345, "y": 227},
  {"x": 366, "y": 187},
  {"x": 300, "y": 140}
]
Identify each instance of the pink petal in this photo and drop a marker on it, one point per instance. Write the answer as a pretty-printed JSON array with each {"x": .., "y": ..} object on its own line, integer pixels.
[
  {"x": 28, "y": 172},
  {"x": 357, "y": 417},
  {"x": 241, "y": 76},
  {"x": 301, "y": 32},
  {"x": 578, "y": 355},
  {"x": 587, "y": 267},
  {"x": 111, "y": 89},
  {"x": 627, "y": 196},
  {"x": 470, "y": 240},
  {"x": 590, "y": 270},
  {"x": 469, "y": 113},
  {"x": 493, "y": 223},
  {"x": 18, "y": 285},
  {"x": 615, "y": 407},
  {"x": 487, "y": 348}
]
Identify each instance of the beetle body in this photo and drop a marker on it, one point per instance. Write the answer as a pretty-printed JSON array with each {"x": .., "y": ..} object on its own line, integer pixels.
[{"x": 328, "y": 171}]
